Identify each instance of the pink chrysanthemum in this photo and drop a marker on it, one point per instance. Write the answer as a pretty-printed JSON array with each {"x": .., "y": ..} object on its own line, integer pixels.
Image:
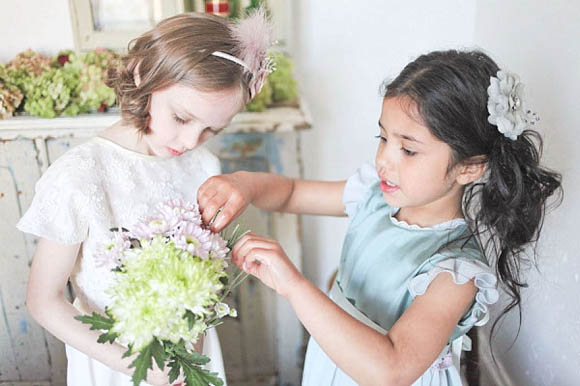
[
  {"x": 219, "y": 249},
  {"x": 169, "y": 218},
  {"x": 111, "y": 253},
  {"x": 149, "y": 228},
  {"x": 176, "y": 211},
  {"x": 191, "y": 237}
]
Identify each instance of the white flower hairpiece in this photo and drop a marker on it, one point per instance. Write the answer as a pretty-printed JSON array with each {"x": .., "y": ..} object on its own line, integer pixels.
[
  {"x": 254, "y": 36},
  {"x": 506, "y": 106}
]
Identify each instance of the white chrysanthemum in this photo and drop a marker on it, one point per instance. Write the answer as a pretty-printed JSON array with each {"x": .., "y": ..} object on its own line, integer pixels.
[
  {"x": 506, "y": 106},
  {"x": 191, "y": 237},
  {"x": 221, "y": 310},
  {"x": 157, "y": 285}
]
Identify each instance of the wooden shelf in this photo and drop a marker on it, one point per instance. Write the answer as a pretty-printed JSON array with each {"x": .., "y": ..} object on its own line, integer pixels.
[{"x": 275, "y": 119}]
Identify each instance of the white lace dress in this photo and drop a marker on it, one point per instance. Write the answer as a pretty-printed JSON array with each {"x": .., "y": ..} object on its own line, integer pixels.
[{"x": 92, "y": 188}]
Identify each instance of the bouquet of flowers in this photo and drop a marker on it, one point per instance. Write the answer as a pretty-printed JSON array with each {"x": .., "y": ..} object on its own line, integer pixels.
[{"x": 169, "y": 286}]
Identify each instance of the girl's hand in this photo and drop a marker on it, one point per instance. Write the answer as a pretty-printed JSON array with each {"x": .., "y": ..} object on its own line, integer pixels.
[
  {"x": 265, "y": 259},
  {"x": 231, "y": 192}
]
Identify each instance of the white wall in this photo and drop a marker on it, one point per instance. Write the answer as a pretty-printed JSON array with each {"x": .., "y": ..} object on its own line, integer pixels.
[
  {"x": 42, "y": 25},
  {"x": 541, "y": 42}
]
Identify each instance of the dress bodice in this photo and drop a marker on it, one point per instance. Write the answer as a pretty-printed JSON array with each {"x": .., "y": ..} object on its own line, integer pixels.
[{"x": 99, "y": 185}]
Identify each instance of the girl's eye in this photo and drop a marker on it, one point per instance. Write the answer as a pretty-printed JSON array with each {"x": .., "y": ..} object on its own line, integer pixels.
[
  {"x": 408, "y": 152},
  {"x": 381, "y": 138},
  {"x": 179, "y": 120},
  {"x": 211, "y": 131}
]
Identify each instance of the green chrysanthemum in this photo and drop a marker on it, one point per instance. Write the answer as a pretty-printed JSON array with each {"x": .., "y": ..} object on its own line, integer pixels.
[{"x": 155, "y": 288}]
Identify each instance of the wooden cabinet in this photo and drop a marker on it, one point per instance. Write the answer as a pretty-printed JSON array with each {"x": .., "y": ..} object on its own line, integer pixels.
[{"x": 263, "y": 346}]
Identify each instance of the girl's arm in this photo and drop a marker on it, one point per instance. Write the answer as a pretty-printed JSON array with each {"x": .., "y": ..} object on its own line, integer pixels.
[
  {"x": 272, "y": 192},
  {"x": 51, "y": 267},
  {"x": 370, "y": 358}
]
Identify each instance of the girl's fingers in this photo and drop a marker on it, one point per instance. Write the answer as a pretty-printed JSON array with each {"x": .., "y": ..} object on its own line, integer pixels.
[
  {"x": 255, "y": 261},
  {"x": 250, "y": 240},
  {"x": 253, "y": 253},
  {"x": 206, "y": 191},
  {"x": 209, "y": 207},
  {"x": 232, "y": 208}
]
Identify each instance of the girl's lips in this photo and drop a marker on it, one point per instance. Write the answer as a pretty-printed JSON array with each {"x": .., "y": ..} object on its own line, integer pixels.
[
  {"x": 385, "y": 188},
  {"x": 173, "y": 151}
]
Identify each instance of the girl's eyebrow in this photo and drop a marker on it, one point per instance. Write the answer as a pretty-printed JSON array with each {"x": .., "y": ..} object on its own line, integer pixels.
[{"x": 404, "y": 136}]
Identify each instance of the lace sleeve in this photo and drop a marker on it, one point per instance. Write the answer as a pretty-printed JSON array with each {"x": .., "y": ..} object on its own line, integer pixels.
[
  {"x": 57, "y": 211},
  {"x": 356, "y": 187}
]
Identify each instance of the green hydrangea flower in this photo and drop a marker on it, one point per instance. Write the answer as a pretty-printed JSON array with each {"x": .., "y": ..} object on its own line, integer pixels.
[{"x": 284, "y": 88}]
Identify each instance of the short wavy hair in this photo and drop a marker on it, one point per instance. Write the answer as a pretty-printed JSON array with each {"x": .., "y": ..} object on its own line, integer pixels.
[{"x": 176, "y": 51}]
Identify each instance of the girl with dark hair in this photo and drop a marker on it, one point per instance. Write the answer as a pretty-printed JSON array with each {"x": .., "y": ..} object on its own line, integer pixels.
[
  {"x": 179, "y": 84},
  {"x": 456, "y": 186}
]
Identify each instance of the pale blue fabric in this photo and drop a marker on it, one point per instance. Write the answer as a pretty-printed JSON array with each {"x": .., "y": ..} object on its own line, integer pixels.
[{"x": 385, "y": 263}]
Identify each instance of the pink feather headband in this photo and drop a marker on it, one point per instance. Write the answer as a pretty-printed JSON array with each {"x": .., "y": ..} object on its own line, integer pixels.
[{"x": 253, "y": 34}]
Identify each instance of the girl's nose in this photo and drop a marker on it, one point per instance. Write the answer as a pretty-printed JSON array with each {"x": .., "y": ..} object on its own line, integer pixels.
[
  {"x": 386, "y": 157},
  {"x": 191, "y": 139}
]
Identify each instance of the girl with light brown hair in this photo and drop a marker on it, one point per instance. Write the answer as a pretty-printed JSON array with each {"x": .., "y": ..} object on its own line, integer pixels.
[{"x": 179, "y": 84}]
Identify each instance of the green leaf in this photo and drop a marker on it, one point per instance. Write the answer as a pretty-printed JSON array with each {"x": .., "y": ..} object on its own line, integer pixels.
[
  {"x": 129, "y": 351},
  {"x": 174, "y": 372},
  {"x": 190, "y": 316},
  {"x": 108, "y": 337},
  {"x": 181, "y": 353},
  {"x": 197, "y": 376},
  {"x": 97, "y": 321},
  {"x": 142, "y": 363},
  {"x": 158, "y": 353},
  {"x": 196, "y": 358}
]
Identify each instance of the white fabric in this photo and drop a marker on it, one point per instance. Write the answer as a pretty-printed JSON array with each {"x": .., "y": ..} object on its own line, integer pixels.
[
  {"x": 356, "y": 187},
  {"x": 231, "y": 58},
  {"x": 85, "y": 371},
  {"x": 99, "y": 185}
]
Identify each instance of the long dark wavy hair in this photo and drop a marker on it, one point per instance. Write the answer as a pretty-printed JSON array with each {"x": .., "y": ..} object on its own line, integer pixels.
[{"x": 505, "y": 210}]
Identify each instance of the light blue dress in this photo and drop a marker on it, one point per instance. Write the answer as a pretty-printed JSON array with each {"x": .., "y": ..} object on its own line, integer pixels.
[{"x": 385, "y": 264}]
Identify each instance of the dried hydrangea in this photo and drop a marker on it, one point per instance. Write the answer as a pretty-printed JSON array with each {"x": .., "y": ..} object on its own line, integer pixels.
[{"x": 10, "y": 98}]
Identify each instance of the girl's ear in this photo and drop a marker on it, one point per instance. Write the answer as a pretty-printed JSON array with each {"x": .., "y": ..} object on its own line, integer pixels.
[{"x": 472, "y": 170}]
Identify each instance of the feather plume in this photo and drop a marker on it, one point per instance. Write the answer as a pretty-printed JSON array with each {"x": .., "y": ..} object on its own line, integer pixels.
[{"x": 254, "y": 35}]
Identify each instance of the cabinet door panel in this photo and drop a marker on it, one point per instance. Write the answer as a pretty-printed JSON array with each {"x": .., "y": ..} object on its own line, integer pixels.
[{"x": 28, "y": 352}]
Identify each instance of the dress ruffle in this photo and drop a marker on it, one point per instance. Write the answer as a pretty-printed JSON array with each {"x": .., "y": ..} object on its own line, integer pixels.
[
  {"x": 356, "y": 187},
  {"x": 463, "y": 270}
]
